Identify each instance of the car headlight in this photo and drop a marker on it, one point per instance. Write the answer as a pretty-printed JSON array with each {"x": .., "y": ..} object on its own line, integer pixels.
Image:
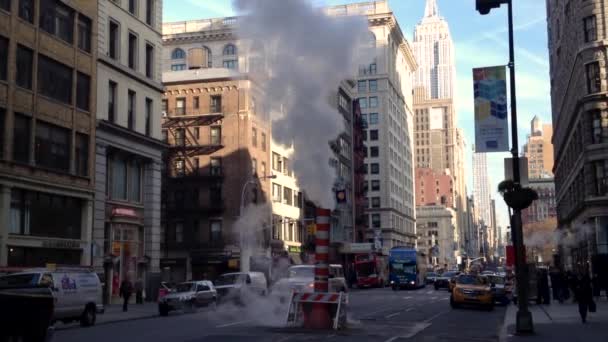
[
  {"x": 311, "y": 285},
  {"x": 412, "y": 282},
  {"x": 392, "y": 282}
]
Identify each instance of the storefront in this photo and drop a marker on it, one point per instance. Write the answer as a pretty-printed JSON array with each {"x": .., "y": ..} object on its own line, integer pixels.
[{"x": 211, "y": 264}]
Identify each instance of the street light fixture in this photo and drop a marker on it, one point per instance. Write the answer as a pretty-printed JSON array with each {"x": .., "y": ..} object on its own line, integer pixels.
[
  {"x": 244, "y": 260},
  {"x": 524, "y": 323}
]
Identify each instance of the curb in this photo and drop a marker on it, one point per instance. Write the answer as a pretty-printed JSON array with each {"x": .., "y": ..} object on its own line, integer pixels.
[{"x": 111, "y": 321}]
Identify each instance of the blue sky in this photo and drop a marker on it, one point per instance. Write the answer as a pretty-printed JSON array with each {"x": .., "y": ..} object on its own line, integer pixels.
[{"x": 479, "y": 41}]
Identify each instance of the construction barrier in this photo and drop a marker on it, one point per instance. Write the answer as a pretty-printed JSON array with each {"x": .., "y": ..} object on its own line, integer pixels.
[{"x": 302, "y": 309}]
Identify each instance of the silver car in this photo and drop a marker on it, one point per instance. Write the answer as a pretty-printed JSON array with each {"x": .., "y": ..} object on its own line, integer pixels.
[
  {"x": 188, "y": 296},
  {"x": 302, "y": 279}
]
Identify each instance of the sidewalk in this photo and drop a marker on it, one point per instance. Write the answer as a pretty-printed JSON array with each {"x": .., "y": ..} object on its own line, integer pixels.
[{"x": 559, "y": 322}]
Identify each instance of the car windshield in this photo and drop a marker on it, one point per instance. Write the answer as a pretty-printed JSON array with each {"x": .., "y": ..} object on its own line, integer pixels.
[
  {"x": 431, "y": 274},
  {"x": 399, "y": 268},
  {"x": 497, "y": 280},
  {"x": 364, "y": 269},
  {"x": 301, "y": 272},
  {"x": 470, "y": 280},
  {"x": 449, "y": 274},
  {"x": 184, "y": 287},
  {"x": 19, "y": 280},
  {"x": 230, "y": 279}
]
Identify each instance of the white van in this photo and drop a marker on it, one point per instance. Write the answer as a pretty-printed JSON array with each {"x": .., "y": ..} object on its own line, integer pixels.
[
  {"x": 230, "y": 285},
  {"x": 77, "y": 291}
]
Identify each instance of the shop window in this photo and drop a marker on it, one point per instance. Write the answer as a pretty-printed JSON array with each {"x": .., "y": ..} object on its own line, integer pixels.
[{"x": 52, "y": 148}]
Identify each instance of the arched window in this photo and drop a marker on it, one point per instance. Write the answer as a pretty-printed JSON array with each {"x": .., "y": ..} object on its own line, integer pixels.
[
  {"x": 178, "y": 54},
  {"x": 229, "y": 50}
]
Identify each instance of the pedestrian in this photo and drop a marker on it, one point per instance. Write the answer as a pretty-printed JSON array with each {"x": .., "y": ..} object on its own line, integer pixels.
[
  {"x": 139, "y": 291},
  {"x": 544, "y": 287},
  {"x": 584, "y": 295},
  {"x": 126, "y": 289}
]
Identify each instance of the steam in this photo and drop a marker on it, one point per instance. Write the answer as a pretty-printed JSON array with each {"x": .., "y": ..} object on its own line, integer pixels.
[
  {"x": 251, "y": 224},
  {"x": 306, "y": 54}
]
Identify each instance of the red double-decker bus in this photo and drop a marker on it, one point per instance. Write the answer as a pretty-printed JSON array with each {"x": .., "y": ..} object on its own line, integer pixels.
[{"x": 371, "y": 270}]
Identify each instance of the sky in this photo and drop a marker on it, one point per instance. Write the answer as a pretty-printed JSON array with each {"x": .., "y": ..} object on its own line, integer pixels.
[{"x": 479, "y": 41}]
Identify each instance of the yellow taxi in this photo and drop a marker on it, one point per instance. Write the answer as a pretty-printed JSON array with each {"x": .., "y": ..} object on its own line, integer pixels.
[{"x": 472, "y": 290}]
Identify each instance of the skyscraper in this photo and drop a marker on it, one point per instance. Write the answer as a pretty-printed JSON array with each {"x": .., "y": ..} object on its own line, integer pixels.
[
  {"x": 539, "y": 150},
  {"x": 481, "y": 187}
]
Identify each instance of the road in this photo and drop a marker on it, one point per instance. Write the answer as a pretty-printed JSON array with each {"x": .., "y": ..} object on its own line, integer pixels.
[{"x": 374, "y": 315}]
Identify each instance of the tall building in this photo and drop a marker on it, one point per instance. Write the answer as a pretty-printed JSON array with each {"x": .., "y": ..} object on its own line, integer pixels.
[
  {"x": 128, "y": 145},
  {"x": 434, "y": 51},
  {"x": 539, "y": 150},
  {"x": 434, "y": 188},
  {"x": 384, "y": 90},
  {"x": 439, "y": 143},
  {"x": 544, "y": 207},
  {"x": 48, "y": 77},
  {"x": 577, "y": 50},
  {"x": 481, "y": 187}
]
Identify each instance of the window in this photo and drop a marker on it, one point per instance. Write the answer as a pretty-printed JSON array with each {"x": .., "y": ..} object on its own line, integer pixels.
[
  {"x": 230, "y": 64},
  {"x": 149, "y": 60},
  {"x": 196, "y": 168},
  {"x": 263, "y": 169},
  {"x": 375, "y": 185},
  {"x": 131, "y": 110},
  {"x": 132, "y": 51},
  {"x": 195, "y": 102},
  {"x": 254, "y": 167},
  {"x": 600, "y": 126},
  {"x": 254, "y": 137},
  {"x": 180, "y": 137},
  {"x": 263, "y": 141},
  {"x": 26, "y": 10},
  {"x": 178, "y": 67},
  {"x": 135, "y": 178},
  {"x": 114, "y": 41},
  {"x": 179, "y": 231},
  {"x": 21, "y": 138},
  {"x": 133, "y": 7},
  {"x": 216, "y": 230},
  {"x": 229, "y": 50},
  {"x": 150, "y": 12},
  {"x": 216, "y": 135},
  {"x": 57, "y": 19},
  {"x": 373, "y": 102},
  {"x": 54, "y": 79},
  {"x": 165, "y": 106},
  {"x": 3, "y": 58},
  {"x": 84, "y": 33},
  {"x": 375, "y": 168},
  {"x": 375, "y": 202},
  {"x": 215, "y": 166},
  {"x": 112, "y": 101},
  {"x": 373, "y": 151},
  {"x": 373, "y": 118},
  {"x": 178, "y": 54},
  {"x": 297, "y": 199},
  {"x": 82, "y": 154},
  {"x": 373, "y": 85},
  {"x": 180, "y": 106},
  {"x": 52, "y": 149},
  {"x": 83, "y": 91},
  {"x": 277, "y": 162},
  {"x": 179, "y": 167},
  {"x": 590, "y": 27},
  {"x": 363, "y": 102},
  {"x": 276, "y": 192},
  {"x": 149, "y": 109},
  {"x": 601, "y": 177},
  {"x": 361, "y": 86},
  {"x": 594, "y": 82},
  {"x": 5, "y": 5},
  {"x": 376, "y": 223},
  {"x": 216, "y": 104},
  {"x": 287, "y": 196},
  {"x": 25, "y": 67},
  {"x": 373, "y": 134},
  {"x": 197, "y": 133}
]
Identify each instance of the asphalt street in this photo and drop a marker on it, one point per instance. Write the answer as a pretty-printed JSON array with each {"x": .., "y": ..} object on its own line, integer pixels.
[{"x": 374, "y": 315}]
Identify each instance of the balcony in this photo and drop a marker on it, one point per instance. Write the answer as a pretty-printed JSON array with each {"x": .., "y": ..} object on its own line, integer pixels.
[
  {"x": 205, "y": 173},
  {"x": 177, "y": 117}
]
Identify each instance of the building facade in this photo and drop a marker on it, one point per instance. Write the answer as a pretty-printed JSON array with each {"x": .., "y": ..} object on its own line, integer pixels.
[
  {"x": 539, "y": 150},
  {"x": 481, "y": 187},
  {"x": 544, "y": 207},
  {"x": 384, "y": 91},
  {"x": 577, "y": 51},
  {"x": 48, "y": 77},
  {"x": 434, "y": 188},
  {"x": 128, "y": 146},
  {"x": 437, "y": 235}
]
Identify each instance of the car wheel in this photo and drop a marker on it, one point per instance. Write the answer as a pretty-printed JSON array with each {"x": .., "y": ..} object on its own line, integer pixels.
[
  {"x": 453, "y": 304},
  {"x": 190, "y": 307},
  {"x": 163, "y": 310},
  {"x": 88, "y": 316}
]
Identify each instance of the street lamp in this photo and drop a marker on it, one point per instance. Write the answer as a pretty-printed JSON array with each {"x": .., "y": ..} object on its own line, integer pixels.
[
  {"x": 524, "y": 323},
  {"x": 252, "y": 181}
]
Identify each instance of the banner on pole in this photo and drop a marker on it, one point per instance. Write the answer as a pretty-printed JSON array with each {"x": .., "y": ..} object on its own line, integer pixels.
[{"x": 491, "y": 124}]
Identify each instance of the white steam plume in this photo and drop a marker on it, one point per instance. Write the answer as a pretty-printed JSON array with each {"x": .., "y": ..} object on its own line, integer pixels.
[{"x": 306, "y": 55}]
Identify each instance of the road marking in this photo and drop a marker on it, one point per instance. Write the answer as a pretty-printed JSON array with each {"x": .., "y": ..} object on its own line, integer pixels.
[
  {"x": 429, "y": 292},
  {"x": 408, "y": 297},
  {"x": 409, "y": 309},
  {"x": 435, "y": 316},
  {"x": 231, "y": 324},
  {"x": 445, "y": 298},
  {"x": 416, "y": 329},
  {"x": 434, "y": 298},
  {"x": 393, "y": 314}
]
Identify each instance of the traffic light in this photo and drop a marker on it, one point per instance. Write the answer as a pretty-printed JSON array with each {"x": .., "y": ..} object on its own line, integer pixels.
[{"x": 485, "y": 6}]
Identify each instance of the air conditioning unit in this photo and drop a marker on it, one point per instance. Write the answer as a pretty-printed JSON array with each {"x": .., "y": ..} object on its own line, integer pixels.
[{"x": 164, "y": 114}]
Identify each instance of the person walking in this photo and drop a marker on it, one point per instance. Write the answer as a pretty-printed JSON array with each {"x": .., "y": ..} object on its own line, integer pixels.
[
  {"x": 126, "y": 289},
  {"x": 584, "y": 295},
  {"x": 139, "y": 292}
]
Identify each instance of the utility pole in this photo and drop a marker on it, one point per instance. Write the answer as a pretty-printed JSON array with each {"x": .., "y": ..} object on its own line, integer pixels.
[{"x": 524, "y": 323}]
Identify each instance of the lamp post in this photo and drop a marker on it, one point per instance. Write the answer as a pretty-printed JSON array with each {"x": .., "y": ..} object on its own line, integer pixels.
[
  {"x": 244, "y": 256},
  {"x": 524, "y": 323}
]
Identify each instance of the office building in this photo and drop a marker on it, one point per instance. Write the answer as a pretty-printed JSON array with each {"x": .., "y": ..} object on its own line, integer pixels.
[{"x": 539, "y": 150}]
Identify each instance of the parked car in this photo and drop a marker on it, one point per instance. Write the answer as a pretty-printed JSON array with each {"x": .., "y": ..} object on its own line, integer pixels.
[
  {"x": 430, "y": 277},
  {"x": 26, "y": 313},
  {"x": 302, "y": 279},
  {"x": 231, "y": 286},
  {"x": 443, "y": 281},
  {"x": 472, "y": 290},
  {"x": 77, "y": 291},
  {"x": 502, "y": 293},
  {"x": 188, "y": 296},
  {"x": 164, "y": 289}
]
